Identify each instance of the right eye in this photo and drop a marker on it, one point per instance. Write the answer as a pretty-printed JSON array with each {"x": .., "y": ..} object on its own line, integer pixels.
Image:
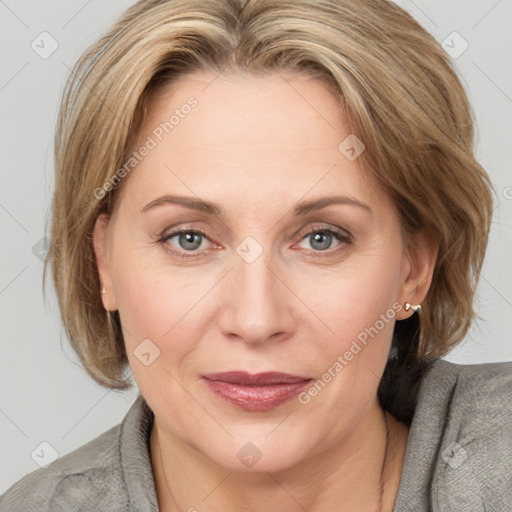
[{"x": 185, "y": 241}]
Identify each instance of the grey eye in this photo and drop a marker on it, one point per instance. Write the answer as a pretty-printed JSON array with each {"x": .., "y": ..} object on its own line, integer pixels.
[
  {"x": 320, "y": 240},
  {"x": 189, "y": 240}
]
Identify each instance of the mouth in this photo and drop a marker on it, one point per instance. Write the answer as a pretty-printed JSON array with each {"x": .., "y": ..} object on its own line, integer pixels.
[{"x": 259, "y": 392}]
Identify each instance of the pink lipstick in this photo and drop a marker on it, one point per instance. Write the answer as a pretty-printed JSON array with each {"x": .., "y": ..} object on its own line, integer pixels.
[{"x": 260, "y": 392}]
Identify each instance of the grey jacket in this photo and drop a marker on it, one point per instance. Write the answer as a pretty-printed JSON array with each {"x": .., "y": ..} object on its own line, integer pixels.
[{"x": 458, "y": 457}]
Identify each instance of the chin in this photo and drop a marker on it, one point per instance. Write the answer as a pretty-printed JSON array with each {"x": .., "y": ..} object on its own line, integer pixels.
[{"x": 258, "y": 456}]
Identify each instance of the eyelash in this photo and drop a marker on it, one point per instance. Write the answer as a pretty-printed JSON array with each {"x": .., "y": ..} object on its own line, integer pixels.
[{"x": 338, "y": 235}]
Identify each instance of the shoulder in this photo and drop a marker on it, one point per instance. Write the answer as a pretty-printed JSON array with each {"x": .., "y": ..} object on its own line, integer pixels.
[
  {"x": 473, "y": 389},
  {"x": 442, "y": 366},
  {"x": 474, "y": 457},
  {"x": 459, "y": 450},
  {"x": 475, "y": 399},
  {"x": 79, "y": 480}
]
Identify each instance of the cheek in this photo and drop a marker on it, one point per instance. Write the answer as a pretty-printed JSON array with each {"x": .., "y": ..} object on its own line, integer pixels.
[
  {"x": 352, "y": 299},
  {"x": 151, "y": 301},
  {"x": 158, "y": 338},
  {"x": 169, "y": 307},
  {"x": 357, "y": 309},
  {"x": 144, "y": 308}
]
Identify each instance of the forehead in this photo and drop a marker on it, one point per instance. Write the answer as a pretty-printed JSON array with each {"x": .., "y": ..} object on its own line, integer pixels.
[
  {"x": 275, "y": 136},
  {"x": 279, "y": 111}
]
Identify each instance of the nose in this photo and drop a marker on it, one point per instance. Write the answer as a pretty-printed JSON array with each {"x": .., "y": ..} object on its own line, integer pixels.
[{"x": 257, "y": 306}]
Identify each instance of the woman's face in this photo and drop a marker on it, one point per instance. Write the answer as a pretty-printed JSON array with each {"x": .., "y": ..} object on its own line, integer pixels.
[{"x": 266, "y": 276}]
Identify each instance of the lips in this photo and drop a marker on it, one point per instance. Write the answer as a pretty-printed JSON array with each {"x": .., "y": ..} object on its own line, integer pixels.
[
  {"x": 259, "y": 392},
  {"x": 259, "y": 379}
]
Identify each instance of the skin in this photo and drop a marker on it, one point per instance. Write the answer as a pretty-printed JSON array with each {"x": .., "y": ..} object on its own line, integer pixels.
[{"x": 257, "y": 147}]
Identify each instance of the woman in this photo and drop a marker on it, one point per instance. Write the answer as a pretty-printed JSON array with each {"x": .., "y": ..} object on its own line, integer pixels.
[{"x": 272, "y": 214}]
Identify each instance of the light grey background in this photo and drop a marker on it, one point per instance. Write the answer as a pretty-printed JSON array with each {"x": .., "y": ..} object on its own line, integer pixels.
[{"x": 45, "y": 395}]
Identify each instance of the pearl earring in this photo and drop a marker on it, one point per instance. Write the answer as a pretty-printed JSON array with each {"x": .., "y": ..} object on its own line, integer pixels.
[{"x": 103, "y": 291}]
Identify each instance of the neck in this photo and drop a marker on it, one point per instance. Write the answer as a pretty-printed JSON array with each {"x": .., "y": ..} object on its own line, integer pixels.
[{"x": 346, "y": 477}]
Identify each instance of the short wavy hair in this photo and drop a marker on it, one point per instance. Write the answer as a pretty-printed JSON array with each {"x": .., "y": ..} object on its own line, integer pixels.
[{"x": 397, "y": 87}]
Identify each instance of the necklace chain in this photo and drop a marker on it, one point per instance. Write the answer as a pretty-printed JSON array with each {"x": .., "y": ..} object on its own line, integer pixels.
[{"x": 381, "y": 495}]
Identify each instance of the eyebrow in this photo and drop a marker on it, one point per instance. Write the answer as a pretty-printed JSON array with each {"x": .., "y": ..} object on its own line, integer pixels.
[{"x": 214, "y": 209}]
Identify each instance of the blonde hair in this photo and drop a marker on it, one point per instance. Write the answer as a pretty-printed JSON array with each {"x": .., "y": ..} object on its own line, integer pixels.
[{"x": 396, "y": 85}]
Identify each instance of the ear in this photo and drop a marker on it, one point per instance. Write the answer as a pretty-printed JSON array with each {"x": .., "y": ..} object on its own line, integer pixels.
[
  {"x": 100, "y": 244},
  {"x": 418, "y": 265}
]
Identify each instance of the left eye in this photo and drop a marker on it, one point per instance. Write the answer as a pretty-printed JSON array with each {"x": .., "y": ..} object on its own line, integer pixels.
[{"x": 322, "y": 239}]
